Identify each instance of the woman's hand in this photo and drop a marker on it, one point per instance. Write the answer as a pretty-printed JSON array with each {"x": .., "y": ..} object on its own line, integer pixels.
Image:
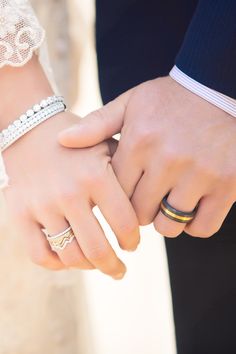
[{"x": 53, "y": 187}]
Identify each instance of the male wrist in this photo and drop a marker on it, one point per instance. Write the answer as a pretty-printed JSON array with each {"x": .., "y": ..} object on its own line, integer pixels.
[{"x": 225, "y": 103}]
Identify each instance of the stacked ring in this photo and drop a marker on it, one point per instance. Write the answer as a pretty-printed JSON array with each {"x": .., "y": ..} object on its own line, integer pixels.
[
  {"x": 177, "y": 215},
  {"x": 60, "y": 241}
]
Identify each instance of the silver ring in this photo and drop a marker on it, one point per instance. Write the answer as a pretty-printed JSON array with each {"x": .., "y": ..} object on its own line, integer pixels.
[{"x": 59, "y": 241}]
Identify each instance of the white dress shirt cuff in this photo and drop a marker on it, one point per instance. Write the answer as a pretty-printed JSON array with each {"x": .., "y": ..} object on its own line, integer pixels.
[{"x": 218, "y": 99}]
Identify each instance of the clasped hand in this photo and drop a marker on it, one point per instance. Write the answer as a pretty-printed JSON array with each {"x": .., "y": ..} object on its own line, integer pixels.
[
  {"x": 172, "y": 143},
  {"x": 52, "y": 187}
]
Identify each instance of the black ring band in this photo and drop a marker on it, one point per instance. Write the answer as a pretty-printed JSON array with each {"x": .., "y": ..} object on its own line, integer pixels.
[{"x": 175, "y": 214}]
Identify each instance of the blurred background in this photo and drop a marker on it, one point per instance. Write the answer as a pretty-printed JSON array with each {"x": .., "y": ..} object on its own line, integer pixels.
[{"x": 79, "y": 312}]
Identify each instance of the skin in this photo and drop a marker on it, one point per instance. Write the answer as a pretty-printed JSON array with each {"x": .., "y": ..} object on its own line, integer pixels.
[
  {"x": 51, "y": 187},
  {"x": 172, "y": 141}
]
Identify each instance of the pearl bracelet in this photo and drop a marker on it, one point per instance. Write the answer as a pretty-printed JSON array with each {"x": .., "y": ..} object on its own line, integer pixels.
[{"x": 46, "y": 109}]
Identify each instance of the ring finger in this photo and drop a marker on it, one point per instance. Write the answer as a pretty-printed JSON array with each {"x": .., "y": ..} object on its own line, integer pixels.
[
  {"x": 37, "y": 245},
  {"x": 93, "y": 241},
  {"x": 148, "y": 194},
  {"x": 71, "y": 256},
  {"x": 211, "y": 215},
  {"x": 183, "y": 197}
]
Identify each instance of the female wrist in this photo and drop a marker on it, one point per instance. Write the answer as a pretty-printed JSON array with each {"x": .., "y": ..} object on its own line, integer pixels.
[
  {"x": 20, "y": 88},
  {"x": 27, "y": 121}
]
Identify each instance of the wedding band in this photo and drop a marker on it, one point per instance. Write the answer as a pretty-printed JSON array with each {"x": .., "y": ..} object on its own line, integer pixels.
[
  {"x": 60, "y": 241},
  {"x": 177, "y": 215}
]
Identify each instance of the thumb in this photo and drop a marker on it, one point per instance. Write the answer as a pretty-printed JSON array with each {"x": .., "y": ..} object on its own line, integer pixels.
[{"x": 97, "y": 126}]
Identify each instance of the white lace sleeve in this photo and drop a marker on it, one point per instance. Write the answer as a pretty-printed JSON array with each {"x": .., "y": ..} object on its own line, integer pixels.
[
  {"x": 20, "y": 36},
  {"x": 20, "y": 32}
]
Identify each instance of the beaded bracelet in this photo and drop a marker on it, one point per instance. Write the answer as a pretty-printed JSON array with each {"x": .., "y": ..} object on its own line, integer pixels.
[{"x": 46, "y": 109}]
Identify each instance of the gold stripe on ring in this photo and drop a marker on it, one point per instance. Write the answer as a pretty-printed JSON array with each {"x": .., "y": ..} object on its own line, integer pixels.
[
  {"x": 182, "y": 218},
  {"x": 60, "y": 241}
]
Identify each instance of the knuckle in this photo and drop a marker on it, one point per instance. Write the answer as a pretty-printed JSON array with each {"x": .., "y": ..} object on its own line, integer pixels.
[
  {"x": 142, "y": 135},
  {"x": 144, "y": 213},
  {"x": 127, "y": 227},
  {"x": 77, "y": 262},
  {"x": 201, "y": 231},
  {"x": 144, "y": 218},
  {"x": 94, "y": 177},
  {"x": 172, "y": 157},
  {"x": 98, "y": 253},
  {"x": 206, "y": 169},
  {"x": 40, "y": 258},
  {"x": 19, "y": 213},
  {"x": 98, "y": 177},
  {"x": 113, "y": 269},
  {"x": 67, "y": 197},
  {"x": 45, "y": 205},
  {"x": 166, "y": 231},
  {"x": 128, "y": 236},
  {"x": 100, "y": 114},
  {"x": 229, "y": 181},
  {"x": 214, "y": 175}
]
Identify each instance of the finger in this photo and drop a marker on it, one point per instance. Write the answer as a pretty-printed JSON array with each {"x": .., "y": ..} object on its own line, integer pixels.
[
  {"x": 71, "y": 256},
  {"x": 149, "y": 192},
  {"x": 127, "y": 169},
  {"x": 183, "y": 197},
  {"x": 118, "y": 211},
  {"x": 38, "y": 247},
  {"x": 112, "y": 144},
  {"x": 210, "y": 215},
  {"x": 94, "y": 244},
  {"x": 97, "y": 126}
]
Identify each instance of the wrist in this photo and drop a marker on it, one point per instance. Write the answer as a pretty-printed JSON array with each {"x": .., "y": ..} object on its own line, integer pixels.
[
  {"x": 39, "y": 113},
  {"x": 39, "y": 140},
  {"x": 20, "y": 88},
  {"x": 218, "y": 99}
]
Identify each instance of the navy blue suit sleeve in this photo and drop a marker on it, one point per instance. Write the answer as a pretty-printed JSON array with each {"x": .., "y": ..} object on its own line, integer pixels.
[{"x": 208, "y": 52}]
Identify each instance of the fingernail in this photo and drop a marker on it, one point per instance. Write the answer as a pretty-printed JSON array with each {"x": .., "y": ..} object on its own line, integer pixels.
[{"x": 118, "y": 276}]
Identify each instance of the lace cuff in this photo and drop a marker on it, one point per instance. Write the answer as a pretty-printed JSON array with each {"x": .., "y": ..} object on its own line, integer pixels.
[
  {"x": 20, "y": 36},
  {"x": 20, "y": 32}
]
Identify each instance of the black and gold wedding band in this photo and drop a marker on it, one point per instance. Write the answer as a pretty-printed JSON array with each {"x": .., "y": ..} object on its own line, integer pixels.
[{"x": 176, "y": 215}]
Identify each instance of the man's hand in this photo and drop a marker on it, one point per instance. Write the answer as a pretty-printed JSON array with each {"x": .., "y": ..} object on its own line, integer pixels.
[{"x": 172, "y": 142}]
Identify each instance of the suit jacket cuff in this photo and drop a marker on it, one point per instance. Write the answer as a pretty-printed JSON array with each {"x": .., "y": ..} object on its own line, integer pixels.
[
  {"x": 218, "y": 99},
  {"x": 208, "y": 53}
]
